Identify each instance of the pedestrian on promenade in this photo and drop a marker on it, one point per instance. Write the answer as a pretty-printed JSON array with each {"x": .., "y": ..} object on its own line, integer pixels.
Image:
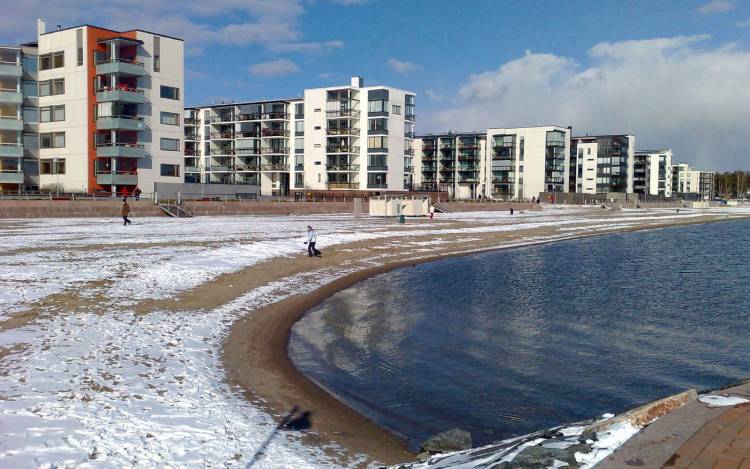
[
  {"x": 312, "y": 238},
  {"x": 511, "y": 210},
  {"x": 125, "y": 211},
  {"x": 124, "y": 192},
  {"x": 137, "y": 193},
  {"x": 432, "y": 211}
]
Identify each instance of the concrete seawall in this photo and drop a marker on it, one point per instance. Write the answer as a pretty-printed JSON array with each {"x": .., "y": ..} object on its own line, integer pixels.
[{"x": 75, "y": 208}]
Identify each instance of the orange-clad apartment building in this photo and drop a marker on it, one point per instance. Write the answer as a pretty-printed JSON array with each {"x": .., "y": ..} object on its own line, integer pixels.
[{"x": 92, "y": 109}]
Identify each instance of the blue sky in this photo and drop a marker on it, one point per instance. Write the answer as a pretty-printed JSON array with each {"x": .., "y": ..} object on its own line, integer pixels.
[{"x": 472, "y": 64}]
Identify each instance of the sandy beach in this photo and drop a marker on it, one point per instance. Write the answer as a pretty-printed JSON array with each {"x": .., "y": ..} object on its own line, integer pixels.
[{"x": 167, "y": 343}]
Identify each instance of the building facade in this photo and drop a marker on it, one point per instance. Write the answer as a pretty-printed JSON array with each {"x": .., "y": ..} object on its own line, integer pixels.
[
  {"x": 99, "y": 110},
  {"x": 343, "y": 138},
  {"x": 499, "y": 163},
  {"x": 688, "y": 182},
  {"x": 602, "y": 163},
  {"x": 18, "y": 130},
  {"x": 652, "y": 173}
]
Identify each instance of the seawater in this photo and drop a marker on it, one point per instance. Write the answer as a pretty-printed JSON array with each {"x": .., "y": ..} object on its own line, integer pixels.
[{"x": 514, "y": 341}]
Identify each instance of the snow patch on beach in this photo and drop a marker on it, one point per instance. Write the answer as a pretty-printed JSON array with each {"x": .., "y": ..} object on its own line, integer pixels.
[{"x": 722, "y": 401}]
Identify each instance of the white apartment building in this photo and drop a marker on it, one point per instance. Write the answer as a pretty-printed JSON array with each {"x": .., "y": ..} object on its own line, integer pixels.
[
  {"x": 689, "y": 182},
  {"x": 342, "y": 138},
  {"x": 602, "y": 163},
  {"x": 102, "y": 110},
  {"x": 652, "y": 173},
  {"x": 502, "y": 163}
]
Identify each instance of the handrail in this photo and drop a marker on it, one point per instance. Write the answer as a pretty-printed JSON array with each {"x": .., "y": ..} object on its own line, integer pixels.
[
  {"x": 16, "y": 90},
  {"x": 128, "y": 145},
  {"x": 119, "y": 88},
  {"x": 109, "y": 61},
  {"x": 121, "y": 116}
]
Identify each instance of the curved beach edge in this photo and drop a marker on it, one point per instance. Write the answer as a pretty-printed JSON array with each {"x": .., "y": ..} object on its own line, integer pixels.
[{"x": 256, "y": 358}]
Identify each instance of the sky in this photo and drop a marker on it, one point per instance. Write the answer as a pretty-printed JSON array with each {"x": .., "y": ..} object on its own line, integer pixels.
[{"x": 676, "y": 73}]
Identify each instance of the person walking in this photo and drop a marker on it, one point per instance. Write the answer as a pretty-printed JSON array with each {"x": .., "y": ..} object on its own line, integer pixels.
[
  {"x": 125, "y": 211},
  {"x": 432, "y": 211},
  {"x": 312, "y": 238},
  {"x": 137, "y": 193}
]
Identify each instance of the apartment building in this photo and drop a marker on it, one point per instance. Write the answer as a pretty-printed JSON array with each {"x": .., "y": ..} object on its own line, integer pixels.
[
  {"x": 501, "y": 163},
  {"x": 652, "y": 173},
  {"x": 92, "y": 109},
  {"x": 688, "y": 182},
  {"x": 602, "y": 163},
  {"x": 452, "y": 163},
  {"x": 18, "y": 100},
  {"x": 341, "y": 138}
]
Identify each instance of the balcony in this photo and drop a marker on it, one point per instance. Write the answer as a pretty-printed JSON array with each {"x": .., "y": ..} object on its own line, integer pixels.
[
  {"x": 11, "y": 149},
  {"x": 248, "y": 151},
  {"x": 248, "y": 167},
  {"x": 342, "y": 131},
  {"x": 410, "y": 117},
  {"x": 409, "y": 169},
  {"x": 121, "y": 123},
  {"x": 125, "y": 95},
  {"x": 123, "y": 150},
  {"x": 11, "y": 177},
  {"x": 377, "y": 168},
  {"x": 276, "y": 115},
  {"x": 253, "y": 116},
  {"x": 10, "y": 96},
  {"x": 125, "y": 178},
  {"x": 468, "y": 169},
  {"x": 343, "y": 185},
  {"x": 447, "y": 148},
  {"x": 10, "y": 123},
  {"x": 464, "y": 157},
  {"x": 222, "y": 135},
  {"x": 556, "y": 143},
  {"x": 275, "y": 151},
  {"x": 121, "y": 66},
  {"x": 191, "y": 137},
  {"x": 374, "y": 185},
  {"x": 342, "y": 113},
  {"x": 342, "y": 167},
  {"x": 274, "y": 167},
  {"x": 409, "y": 152},
  {"x": 247, "y": 135},
  {"x": 192, "y": 169},
  {"x": 189, "y": 121},
  {"x": 468, "y": 180},
  {"x": 221, "y": 151},
  {"x": 10, "y": 69},
  {"x": 341, "y": 149},
  {"x": 221, "y": 169},
  {"x": 502, "y": 180},
  {"x": 274, "y": 133},
  {"x": 222, "y": 119}
]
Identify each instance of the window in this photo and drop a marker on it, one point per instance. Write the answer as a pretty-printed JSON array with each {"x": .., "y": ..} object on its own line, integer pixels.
[
  {"x": 52, "y": 140},
  {"x": 376, "y": 125},
  {"x": 157, "y": 53},
  {"x": 299, "y": 110},
  {"x": 170, "y": 144},
  {"x": 317, "y": 127},
  {"x": 52, "y": 87},
  {"x": 396, "y": 110},
  {"x": 58, "y": 59},
  {"x": 79, "y": 47},
  {"x": 170, "y": 92},
  {"x": 170, "y": 170},
  {"x": 52, "y": 166},
  {"x": 44, "y": 62},
  {"x": 52, "y": 113},
  {"x": 299, "y": 128},
  {"x": 380, "y": 105},
  {"x": 170, "y": 118},
  {"x": 377, "y": 143}
]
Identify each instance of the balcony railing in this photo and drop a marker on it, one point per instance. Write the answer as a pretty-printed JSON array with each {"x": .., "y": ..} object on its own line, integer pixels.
[
  {"x": 274, "y": 133},
  {"x": 377, "y": 168},
  {"x": 342, "y": 149},
  {"x": 277, "y": 115},
  {"x": 11, "y": 150},
  {"x": 125, "y": 94},
  {"x": 468, "y": 180},
  {"x": 122, "y": 66},
  {"x": 408, "y": 169},
  {"x": 409, "y": 152},
  {"x": 248, "y": 134},
  {"x": 191, "y": 121},
  {"x": 221, "y": 151},
  {"x": 247, "y": 151},
  {"x": 375, "y": 185},
  {"x": 222, "y": 135},
  {"x": 120, "y": 122},
  {"x": 468, "y": 157},
  {"x": 108, "y": 178},
  {"x": 192, "y": 169},
  {"x": 248, "y": 167},
  {"x": 274, "y": 167},
  {"x": 468, "y": 169},
  {"x": 342, "y": 167},
  {"x": 410, "y": 117},
  {"x": 11, "y": 123},
  {"x": 342, "y": 131},
  {"x": 428, "y": 147},
  {"x": 503, "y": 180},
  {"x": 275, "y": 151},
  {"x": 342, "y": 113},
  {"x": 252, "y": 116},
  {"x": 555, "y": 143},
  {"x": 11, "y": 95},
  {"x": 114, "y": 150},
  {"x": 221, "y": 169}
]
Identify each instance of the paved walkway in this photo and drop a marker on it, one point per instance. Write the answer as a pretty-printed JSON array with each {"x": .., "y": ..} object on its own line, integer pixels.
[{"x": 694, "y": 436}]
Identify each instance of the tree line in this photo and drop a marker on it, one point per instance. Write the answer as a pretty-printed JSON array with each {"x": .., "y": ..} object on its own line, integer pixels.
[{"x": 732, "y": 184}]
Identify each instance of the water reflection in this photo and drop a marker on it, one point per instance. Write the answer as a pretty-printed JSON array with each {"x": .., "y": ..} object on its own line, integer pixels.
[{"x": 509, "y": 342}]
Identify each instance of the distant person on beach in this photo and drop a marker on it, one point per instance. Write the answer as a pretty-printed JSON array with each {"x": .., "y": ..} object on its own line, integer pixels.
[
  {"x": 125, "y": 211},
  {"x": 511, "y": 210},
  {"x": 312, "y": 237},
  {"x": 137, "y": 193},
  {"x": 432, "y": 212}
]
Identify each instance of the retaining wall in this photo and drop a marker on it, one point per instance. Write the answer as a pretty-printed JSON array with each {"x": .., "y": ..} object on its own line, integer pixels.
[{"x": 75, "y": 208}]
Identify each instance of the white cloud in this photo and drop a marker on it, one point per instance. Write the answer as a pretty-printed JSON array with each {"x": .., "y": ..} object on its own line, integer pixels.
[
  {"x": 743, "y": 24},
  {"x": 273, "y": 68},
  {"x": 400, "y": 66},
  {"x": 668, "y": 92},
  {"x": 350, "y": 2},
  {"x": 307, "y": 47},
  {"x": 717, "y": 6},
  {"x": 433, "y": 95}
]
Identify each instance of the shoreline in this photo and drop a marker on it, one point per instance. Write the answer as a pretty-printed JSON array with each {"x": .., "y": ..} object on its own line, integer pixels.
[{"x": 256, "y": 357}]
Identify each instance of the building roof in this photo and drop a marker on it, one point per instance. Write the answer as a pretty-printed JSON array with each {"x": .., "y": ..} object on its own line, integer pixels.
[
  {"x": 114, "y": 31},
  {"x": 242, "y": 103}
]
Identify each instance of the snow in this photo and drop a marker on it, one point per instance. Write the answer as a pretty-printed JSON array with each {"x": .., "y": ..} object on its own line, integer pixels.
[
  {"x": 92, "y": 383},
  {"x": 607, "y": 442},
  {"x": 722, "y": 401}
]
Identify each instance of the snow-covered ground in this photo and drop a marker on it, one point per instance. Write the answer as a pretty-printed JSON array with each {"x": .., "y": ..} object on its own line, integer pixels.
[{"x": 103, "y": 386}]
